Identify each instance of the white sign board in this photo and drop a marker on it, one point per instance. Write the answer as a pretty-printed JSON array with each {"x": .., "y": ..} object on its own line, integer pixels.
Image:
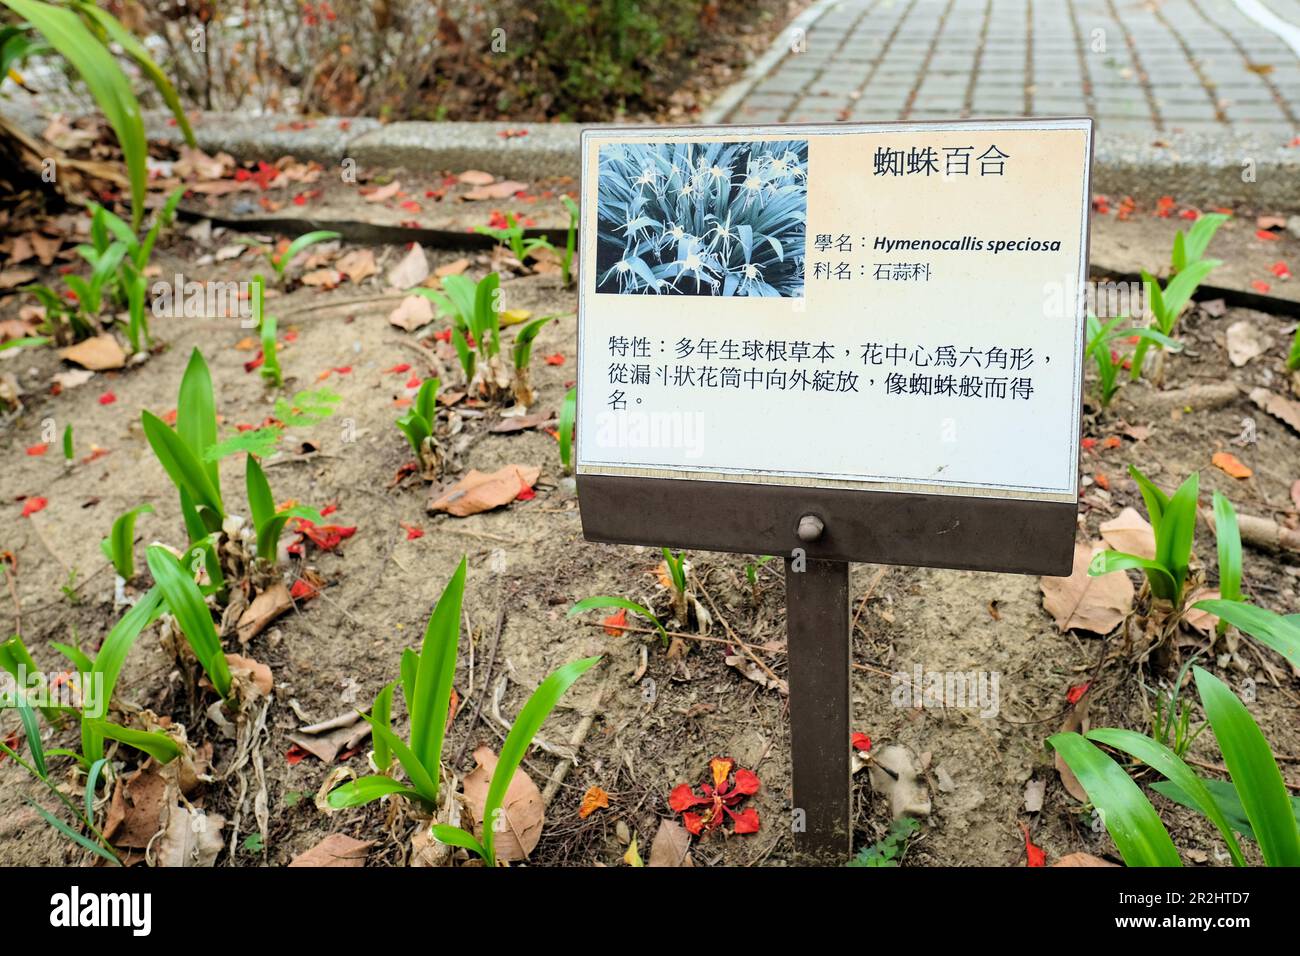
[{"x": 892, "y": 307}]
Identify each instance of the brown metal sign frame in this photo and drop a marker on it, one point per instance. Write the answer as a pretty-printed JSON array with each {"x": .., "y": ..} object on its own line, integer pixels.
[{"x": 827, "y": 527}]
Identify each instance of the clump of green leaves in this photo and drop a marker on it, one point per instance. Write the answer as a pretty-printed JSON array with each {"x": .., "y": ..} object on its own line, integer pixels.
[
  {"x": 1190, "y": 270},
  {"x": 1257, "y": 797},
  {"x": 522, "y": 354},
  {"x": 85, "y": 36},
  {"x": 751, "y": 573},
  {"x": 474, "y": 310},
  {"x": 522, "y": 731},
  {"x": 512, "y": 237},
  {"x": 186, "y": 604},
  {"x": 1171, "y": 723},
  {"x": 1174, "y": 522},
  {"x": 280, "y": 260},
  {"x": 419, "y": 424},
  {"x": 1102, "y": 340},
  {"x": 266, "y": 330},
  {"x": 890, "y": 849},
  {"x": 426, "y": 683},
  {"x": 675, "y": 564}
]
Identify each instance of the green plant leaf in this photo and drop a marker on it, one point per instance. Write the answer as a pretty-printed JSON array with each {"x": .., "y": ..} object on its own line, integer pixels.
[
  {"x": 301, "y": 243},
  {"x": 32, "y": 731},
  {"x": 455, "y": 836},
  {"x": 157, "y": 745},
  {"x": 196, "y": 417},
  {"x": 607, "y": 601},
  {"x": 433, "y": 678},
  {"x": 363, "y": 790},
  {"x": 1177, "y": 530},
  {"x": 1155, "y": 499},
  {"x": 112, "y": 655},
  {"x": 185, "y": 601},
  {"x": 520, "y": 738},
  {"x": 568, "y": 415},
  {"x": 186, "y": 472},
  {"x": 121, "y": 541},
  {"x": 1126, "y": 813},
  {"x": 1253, "y": 770},
  {"x": 382, "y": 713},
  {"x": 1162, "y": 582},
  {"x": 1225, "y": 795},
  {"x": 1229, "y": 545},
  {"x": 66, "y": 830},
  {"x": 67, "y": 34},
  {"x": 1170, "y": 766},
  {"x": 1272, "y": 630}
]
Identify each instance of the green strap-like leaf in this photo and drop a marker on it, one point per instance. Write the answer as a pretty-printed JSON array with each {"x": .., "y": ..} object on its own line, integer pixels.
[
  {"x": 601, "y": 602},
  {"x": 363, "y": 790},
  {"x": 196, "y": 417},
  {"x": 1162, "y": 582},
  {"x": 1126, "y": 813},
  {"x": 1272, "y": 630},
  {"x": 568, "y": 415},
  {"x": 185, "y": 601},
  {"x": 520, "y": 738},
  {"x": 455, "y": 836},
  {"x": 1253, "y": 770},
  {"x": 157, "y": 745},
  {"x": 434, "y": 676},
  {"x": 121, "y": 543},
  {"x": 187, "y": 473},
  {"x": 1170, "y": 766}
]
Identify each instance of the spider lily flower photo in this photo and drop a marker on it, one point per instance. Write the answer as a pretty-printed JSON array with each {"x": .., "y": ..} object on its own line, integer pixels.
[{"x": 726, "y": 219}]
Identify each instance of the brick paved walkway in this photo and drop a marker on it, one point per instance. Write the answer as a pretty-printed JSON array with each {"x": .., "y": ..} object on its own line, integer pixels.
[{"x": 1180, "y": 65}]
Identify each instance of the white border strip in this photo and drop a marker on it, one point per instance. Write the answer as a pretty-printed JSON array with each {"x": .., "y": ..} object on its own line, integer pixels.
[
  {"x": 1289, "y": 33},
  {"x": 759, "y": 69}
]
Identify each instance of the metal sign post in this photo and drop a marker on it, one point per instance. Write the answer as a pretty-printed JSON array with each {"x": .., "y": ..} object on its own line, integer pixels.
[{"x": 834, "y": 344}]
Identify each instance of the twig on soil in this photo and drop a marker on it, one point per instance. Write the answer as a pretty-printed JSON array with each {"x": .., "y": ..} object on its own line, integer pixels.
[
  {"x": 749, "y": 651},
  {"x": 487, "y": 681},
  {"x": 576, "y": 741},
  {"x": 871, "y": 589}
]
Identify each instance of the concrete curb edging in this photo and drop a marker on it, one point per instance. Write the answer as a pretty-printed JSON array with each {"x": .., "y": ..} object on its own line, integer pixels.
[{"x": 1197, "y": 169}]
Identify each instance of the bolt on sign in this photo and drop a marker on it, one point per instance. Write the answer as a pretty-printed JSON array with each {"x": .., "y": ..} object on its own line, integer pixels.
[{"x": 835, "y": 343}]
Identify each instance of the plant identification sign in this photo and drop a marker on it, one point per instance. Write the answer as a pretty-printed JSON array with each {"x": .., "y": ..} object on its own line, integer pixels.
[{"x": 880, "y": 310}]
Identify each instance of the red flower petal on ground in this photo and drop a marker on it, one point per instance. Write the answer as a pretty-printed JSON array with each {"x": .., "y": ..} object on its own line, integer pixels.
[
  {"x": 615, "y": 623},
  {"x": 525, "y": 494},
  {"x": 747, "y": 782},
  {"x": 1259, "y": 285},
  {"x": 411, "y": 206},
  {"x": 108, "y": 398},
  {"x": 302, "y": 591},
  {"x": 33, "y": 505},
  {"x": 255, "y": 363},
  {"x": 328, "y": 510},
  {"x": 746, "y": 820},
  {"x": 556, "y": 359},
  {"x": 412, "y": 532},
  {"x": 1280, "y": 270},
  {"x": 399, "y": 369},
  {"x": 443, "y": 336},
  {"x": 1265, "y": 235},
  {"x": 300, "y": 200},
  {"x": 683, "y": 798},
  {"x": 860, "y": 742},
  {"x": 413, "y": 382},
  {"x": 1034, "y": 855},
  {"x": 295, "y": 755},
  {"x": 1075, "y": 693},
  {"x": 1191, "y": 214},
  {"x": 693, "y": 822},
  {"x": 36, "y": 450}
]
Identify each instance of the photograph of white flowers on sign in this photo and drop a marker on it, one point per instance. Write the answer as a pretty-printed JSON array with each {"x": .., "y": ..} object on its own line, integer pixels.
[{"x": 719, "y": 218}]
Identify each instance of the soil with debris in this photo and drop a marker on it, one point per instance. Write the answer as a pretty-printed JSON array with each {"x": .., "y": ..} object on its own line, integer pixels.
[{"x": 659, "y": 714}]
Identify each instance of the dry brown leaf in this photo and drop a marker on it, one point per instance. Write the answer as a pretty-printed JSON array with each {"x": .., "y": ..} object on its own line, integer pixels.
[
  {"x": 266, "y": 607},
  {"x": 479, "y": 491},
  {"x": 232, "y": 251},
  {"x": 45, "y": 247},
  {"x": 671, "y": 845},
  {"x": 411, "y": 313},
  {"x": 101, "y": 352},
  {"x": 357, "y": 265},
  {"x": 384, "y": 193},
  {"x": 411, "y": 271},
  {"x": 1076, "y": 722},
  {"x": 11, "y": 278},
  {"x": 525, "y": 813},
  {"x": 1283, "y": 409},
  {"x": 190, "y": 838},
  {"x": 453, "y": 268},
  {"x": 323, "y": 278},
  {"x": 336, "y": 850},
  {"x": 1082, "y": 859},
  {"x": 1130, "y": 533},
  {"x": 1246, "y": 341},
  {"x": 328, "y": 738},
  {"x": 1085, "y": 603},
  {"x": 259, "y": 674},
  {"x": 1202, "y": 621},
  {"x": 520, "y": 423},
  {"x": 137, "y": 809},
  {"x": 475, "y": 177},
  {"x": 72, "y": 378},
  {"x": 1230, "y": 465},
  {"x": 594, "y": 799},
  {"x": 502, "y": 190},
  {"x": 755, "y": 673}
]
